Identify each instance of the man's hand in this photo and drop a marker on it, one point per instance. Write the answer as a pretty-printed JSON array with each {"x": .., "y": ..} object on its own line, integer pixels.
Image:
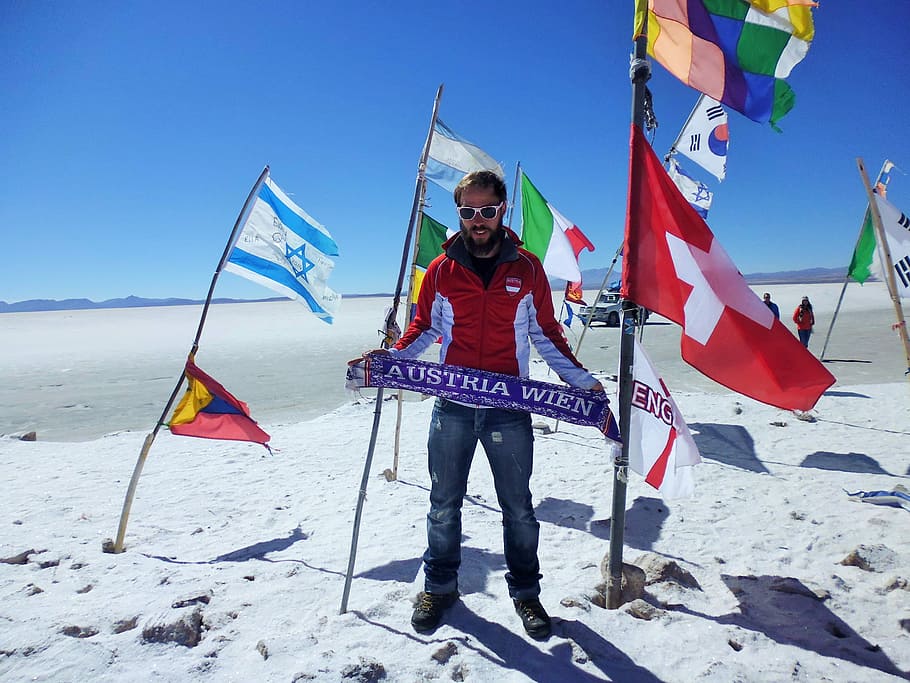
[
  {"x": 375, "y": 352},
  {"x": 597, "y": 387}
]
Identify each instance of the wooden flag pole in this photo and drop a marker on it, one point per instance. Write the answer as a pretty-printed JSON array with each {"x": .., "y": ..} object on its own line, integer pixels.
[
  {"x": 392, "y": 474},
  {"x": 389, "y": 323},
  {"x": 117, "y": 545},
  {"x": 889, "y": 265},
  {"x": 859, "y": 236}
]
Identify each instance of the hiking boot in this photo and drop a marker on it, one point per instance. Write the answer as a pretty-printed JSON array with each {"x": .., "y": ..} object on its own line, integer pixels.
[
  {"x": 430, "y": 606},
  {"x": 533, "y": 617}
]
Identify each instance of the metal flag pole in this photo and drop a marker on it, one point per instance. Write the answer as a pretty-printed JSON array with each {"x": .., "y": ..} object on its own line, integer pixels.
[
  {"x": 389, "y": 324},
  {"x": 889, "y": 268},
  {"x": 603, "y": 285},
  {"x": 840, "y": 299},
  {"x": 117, "y": 546},
  {"x": 593, "y": 307},
  {"x": 639, "y": 72}
]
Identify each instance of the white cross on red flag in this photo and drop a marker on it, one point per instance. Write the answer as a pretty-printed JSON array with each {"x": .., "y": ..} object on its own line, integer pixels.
[{"x": 674, "y": 266}]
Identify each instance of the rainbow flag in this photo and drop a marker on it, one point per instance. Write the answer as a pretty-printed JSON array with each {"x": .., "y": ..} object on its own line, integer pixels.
[
  {"x": 737, "y": 51},
  {"x": 209, "y": 411}
]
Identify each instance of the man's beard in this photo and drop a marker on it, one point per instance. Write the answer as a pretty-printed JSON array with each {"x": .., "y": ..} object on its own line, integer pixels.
[{"x": 488, "y": 248}]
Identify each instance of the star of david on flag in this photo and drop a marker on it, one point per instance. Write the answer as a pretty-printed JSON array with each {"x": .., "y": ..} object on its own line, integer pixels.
[
  {"x": 283, "y": 248},
  {"x": 696, "y": 192}
]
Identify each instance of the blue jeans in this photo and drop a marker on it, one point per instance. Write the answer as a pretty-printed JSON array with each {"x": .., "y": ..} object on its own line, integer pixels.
[
  {"x": 804, "y": 337},
  {"x": 508, "y": 441}
]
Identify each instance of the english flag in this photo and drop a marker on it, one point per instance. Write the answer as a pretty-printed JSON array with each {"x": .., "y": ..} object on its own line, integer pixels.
[
  {"x": 674, "y": 266},
  {"x": 661, "y": 448}
]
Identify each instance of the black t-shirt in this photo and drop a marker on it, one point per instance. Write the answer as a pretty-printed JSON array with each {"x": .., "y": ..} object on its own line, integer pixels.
[{"x": 485, "y": 267}]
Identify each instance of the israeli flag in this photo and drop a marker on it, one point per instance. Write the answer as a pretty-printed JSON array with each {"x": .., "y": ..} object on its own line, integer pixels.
[
  {"x": 283, "y": 248},
  {"x": 452, "y": 157},
  {"x": 696, "y": 192}
]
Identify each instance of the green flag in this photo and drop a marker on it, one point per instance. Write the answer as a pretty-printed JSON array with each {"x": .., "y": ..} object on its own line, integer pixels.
[
  {"x": 861, "y": 264},
  {"x": 429, "y": 246},
  {"x": 432, "y": 235}
]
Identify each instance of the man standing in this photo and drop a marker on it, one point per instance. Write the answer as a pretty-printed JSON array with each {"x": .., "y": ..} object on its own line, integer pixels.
[
  {"x": 486, "y": 298},
  {"x": 766, "y": 297}
]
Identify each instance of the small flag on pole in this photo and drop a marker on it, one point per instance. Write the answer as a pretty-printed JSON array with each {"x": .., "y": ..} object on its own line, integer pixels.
[
  {"x": 661, "y": 448},
  {"x": 429, "y": 246},
  {"x": 896, "y": 226},
  {"x": 452, "y": 157},
  {"x": 706, "y": 136},
  {"x": 696, "y": 192},
  {"x": 209, "y": 411},
  {"x": 549, "y": 235},
  {"x": 283, "y": 248}
]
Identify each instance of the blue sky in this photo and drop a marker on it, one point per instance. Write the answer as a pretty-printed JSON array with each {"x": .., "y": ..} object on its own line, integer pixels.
[{"x": 131, "y": 132}]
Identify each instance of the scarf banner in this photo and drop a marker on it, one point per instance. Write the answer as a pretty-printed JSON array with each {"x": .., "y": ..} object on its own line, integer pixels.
[{"x": 488, "y": 389}]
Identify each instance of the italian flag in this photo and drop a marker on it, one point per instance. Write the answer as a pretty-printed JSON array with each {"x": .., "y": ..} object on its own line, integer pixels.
[{"x": 549, "y": 235}]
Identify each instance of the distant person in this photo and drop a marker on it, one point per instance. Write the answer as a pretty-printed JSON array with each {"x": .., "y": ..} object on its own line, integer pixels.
[
  {"x": 805, "y": 321},
  {"x": 766, "y": 297}
]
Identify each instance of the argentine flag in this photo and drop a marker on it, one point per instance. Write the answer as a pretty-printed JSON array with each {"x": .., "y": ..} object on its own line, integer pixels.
[
  {"x": 283, "y": 248},
  {"x": 452, "y": 157}
]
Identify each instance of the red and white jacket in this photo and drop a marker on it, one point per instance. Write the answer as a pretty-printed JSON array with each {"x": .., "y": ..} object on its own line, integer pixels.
[{"x": 490, "y": 328}]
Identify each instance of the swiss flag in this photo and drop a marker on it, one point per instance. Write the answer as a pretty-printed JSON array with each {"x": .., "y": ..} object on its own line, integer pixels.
[{"x": 674, "y": 266}]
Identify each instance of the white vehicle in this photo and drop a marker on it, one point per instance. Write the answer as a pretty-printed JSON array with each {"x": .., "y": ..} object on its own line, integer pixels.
[{"x": 607, "y": 310}]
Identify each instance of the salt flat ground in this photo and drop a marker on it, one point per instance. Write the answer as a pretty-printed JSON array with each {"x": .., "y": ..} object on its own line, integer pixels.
[
  {"x": 248, "y": 550},
  {"x": 76, "y": 375}
]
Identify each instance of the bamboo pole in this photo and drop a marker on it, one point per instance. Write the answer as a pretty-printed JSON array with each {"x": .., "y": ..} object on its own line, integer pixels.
[
  {"x": 889, "y": 265},
  {"x": 392, "y": 474},
  {"x": 117, "y": 546},
  {"x": 390, "y": 321}
]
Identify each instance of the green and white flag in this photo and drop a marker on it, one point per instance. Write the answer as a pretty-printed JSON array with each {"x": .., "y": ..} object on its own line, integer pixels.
[
  {"x": 896, "y": 225},
  {"x": 864, "y": 264}
]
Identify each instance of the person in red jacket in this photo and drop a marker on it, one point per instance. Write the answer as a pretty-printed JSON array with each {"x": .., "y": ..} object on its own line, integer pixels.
[
  {"x": 805, "y": 321},
  {"x": 488, "y": 300}
]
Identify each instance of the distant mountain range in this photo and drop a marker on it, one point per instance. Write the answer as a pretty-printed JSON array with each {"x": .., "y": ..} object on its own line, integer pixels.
[
  {"x": 32, "y": 305},
  {"x": 591, "y": 278}
]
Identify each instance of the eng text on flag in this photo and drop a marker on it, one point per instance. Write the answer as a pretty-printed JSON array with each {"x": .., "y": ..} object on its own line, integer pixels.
[{"x": 661, "y": 448}]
